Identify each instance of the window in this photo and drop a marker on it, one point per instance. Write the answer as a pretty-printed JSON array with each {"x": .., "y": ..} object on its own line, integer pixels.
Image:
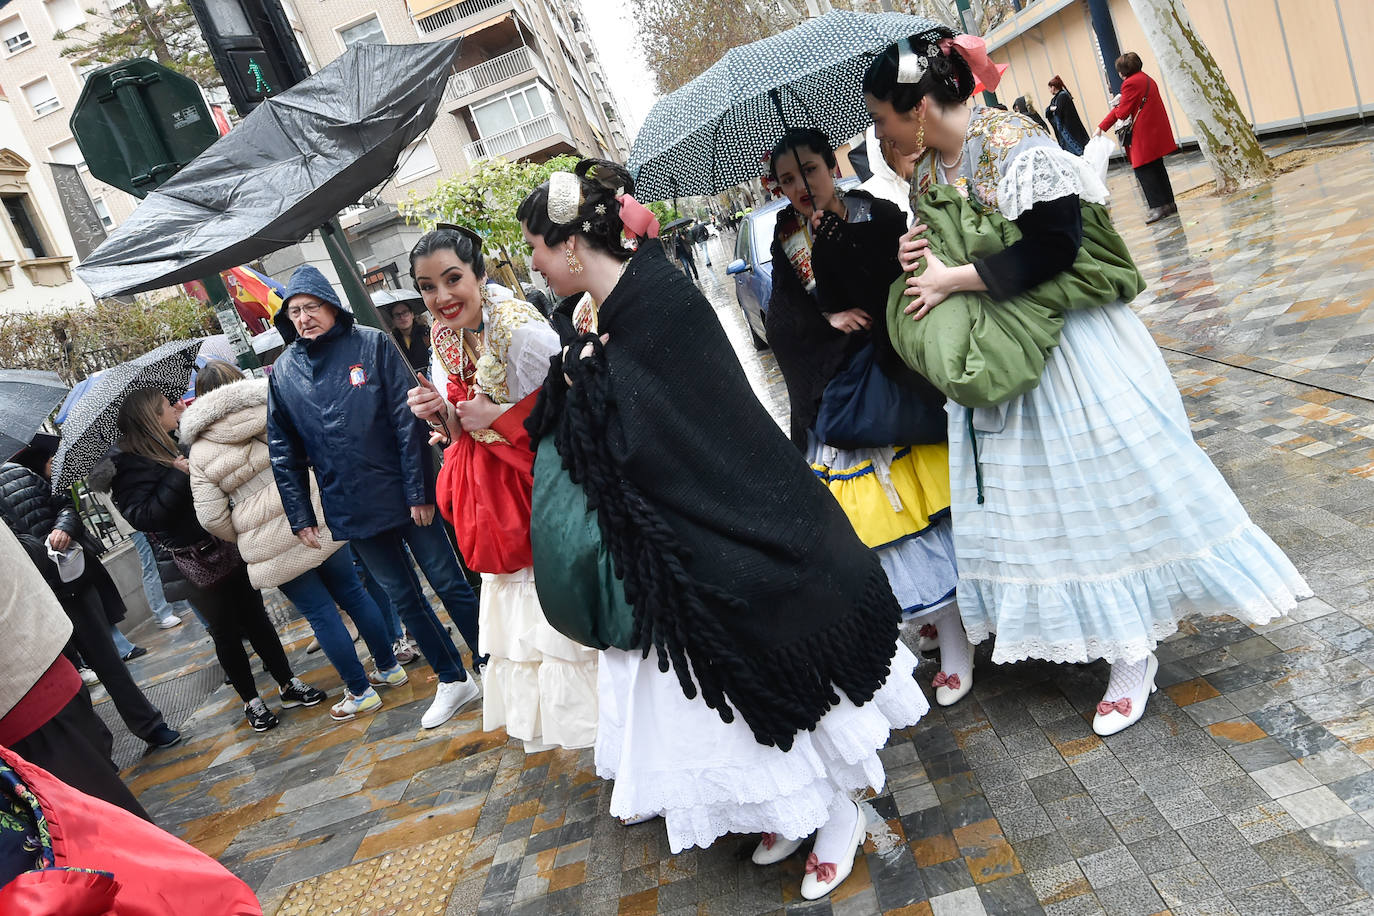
[
  {"x": 19, "y": 210},
  {"x": 65, "y": 14},
  {"x": 367, "y": 32},
  {"x": 15, "y": 35},
  {"x": 67, "y": 153},
  {"x": 103, "y": 212},
  {"x": 417, "y": 160},
  {"x": 515, "y": 107},
  {"x": 41, "y": 96}
]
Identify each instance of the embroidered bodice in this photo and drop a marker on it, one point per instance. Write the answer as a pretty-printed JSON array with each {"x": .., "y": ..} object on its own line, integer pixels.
[{"x": 1009, "y": 164}]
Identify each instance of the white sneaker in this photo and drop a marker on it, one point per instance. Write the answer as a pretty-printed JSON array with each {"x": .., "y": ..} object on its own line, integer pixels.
[
  {"x": 449, "y": 699},
  {"x": 393, "y": 678},
  {"x": 166, "y": 623},
  {"x": 88, "y": 677},
  {"x": 351, "y": 705}
]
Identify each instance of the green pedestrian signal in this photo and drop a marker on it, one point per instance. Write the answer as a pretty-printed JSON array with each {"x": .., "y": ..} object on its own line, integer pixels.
[
  {"x": 260, "y": 85},
  {"x": 253, "y": 71}
]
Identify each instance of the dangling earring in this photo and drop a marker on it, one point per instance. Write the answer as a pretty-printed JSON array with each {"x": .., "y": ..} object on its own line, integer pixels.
[
  {"x": 921, "y": 134},
  {"x": 574, "y": 265}
]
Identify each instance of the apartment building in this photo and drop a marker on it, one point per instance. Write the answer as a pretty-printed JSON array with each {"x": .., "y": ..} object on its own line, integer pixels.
[
  {"x": 36, "y": 250},
  {"x": 529, "y": 84},
  {"x": 44, "y": 86}
]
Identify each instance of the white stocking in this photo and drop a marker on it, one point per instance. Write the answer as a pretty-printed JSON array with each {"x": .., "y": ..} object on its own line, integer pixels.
[
  {"x": 1126, "y": 679},
  {"x": 837, "y": 831},
  {"x": 956, "y": 655}
]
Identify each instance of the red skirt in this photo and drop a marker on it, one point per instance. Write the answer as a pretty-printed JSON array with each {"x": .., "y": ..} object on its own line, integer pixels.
[{"x": 484, "y": 491}]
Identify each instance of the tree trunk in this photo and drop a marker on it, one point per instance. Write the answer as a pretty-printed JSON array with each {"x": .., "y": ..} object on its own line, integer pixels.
[
  {"x": 1224, "y": 133},
  {"x": 151, "y": 26}
]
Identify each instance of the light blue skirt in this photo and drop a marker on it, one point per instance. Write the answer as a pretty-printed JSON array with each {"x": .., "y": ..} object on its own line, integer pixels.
[{"x": 1102, "y": 522}]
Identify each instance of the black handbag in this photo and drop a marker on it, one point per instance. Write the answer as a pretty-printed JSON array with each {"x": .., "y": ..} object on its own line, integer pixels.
[
  {"x": 208, "y": 563},
  {"x": 1126, "y": 131},
  {"x": 863, "y": 408}
]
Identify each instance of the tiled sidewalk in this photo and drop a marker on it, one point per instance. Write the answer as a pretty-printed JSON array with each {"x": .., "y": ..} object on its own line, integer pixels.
[{"x": 1246, "y": 789}]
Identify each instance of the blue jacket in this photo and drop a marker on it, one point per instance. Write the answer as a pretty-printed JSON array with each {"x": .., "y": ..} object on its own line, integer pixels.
[{"x": 338, "y": 404}]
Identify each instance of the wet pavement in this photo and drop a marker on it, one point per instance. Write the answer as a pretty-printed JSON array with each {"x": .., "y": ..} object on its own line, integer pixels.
[{"x": 1247, "y": 788}]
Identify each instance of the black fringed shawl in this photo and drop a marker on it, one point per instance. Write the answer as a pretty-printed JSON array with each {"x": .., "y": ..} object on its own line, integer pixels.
[{"x": 743, "y": 570}]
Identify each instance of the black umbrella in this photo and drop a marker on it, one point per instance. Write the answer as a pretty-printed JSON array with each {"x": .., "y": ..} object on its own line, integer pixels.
[
  {"x": 292, "y": 164},
  {"x": 27, "y": 398},
  {"x": 678, "y": 224},
  {"x": 92, "y": 426},
  {"x": 712, "y": 133}
]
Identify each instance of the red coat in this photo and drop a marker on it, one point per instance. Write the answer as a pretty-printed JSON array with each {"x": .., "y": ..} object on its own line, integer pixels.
[
  {"x": 1153, "y": 137},
  {"x": 154, "y": 873}
]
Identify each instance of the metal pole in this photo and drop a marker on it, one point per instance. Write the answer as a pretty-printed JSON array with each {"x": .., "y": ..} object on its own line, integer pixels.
[{"x": 341, "y": 256}]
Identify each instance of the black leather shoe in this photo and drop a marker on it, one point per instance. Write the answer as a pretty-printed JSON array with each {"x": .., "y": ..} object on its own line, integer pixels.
[
  {"x": 135, "y": 652},
  {"x": 164, "y": 736}
]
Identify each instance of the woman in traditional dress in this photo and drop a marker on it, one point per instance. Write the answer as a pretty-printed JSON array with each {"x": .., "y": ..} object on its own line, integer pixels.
[
  {"x": 490, "y": 355},
  {"x": 1062, "y": 114},
  {"x": 834, "y": 257},
  {"x": 763, "y": 671},
  {"x": 1087, "y": 521}
]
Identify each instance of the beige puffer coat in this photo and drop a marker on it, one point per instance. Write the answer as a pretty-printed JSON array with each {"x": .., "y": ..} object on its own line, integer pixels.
[{"x": 235, "y": 494}]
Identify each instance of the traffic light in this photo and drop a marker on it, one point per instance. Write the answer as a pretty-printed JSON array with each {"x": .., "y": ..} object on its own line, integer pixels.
[{"x": 254, "y": 48}]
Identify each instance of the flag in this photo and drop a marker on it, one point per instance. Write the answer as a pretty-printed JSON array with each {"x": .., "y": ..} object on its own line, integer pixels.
[{"x": 250, "y": 288}]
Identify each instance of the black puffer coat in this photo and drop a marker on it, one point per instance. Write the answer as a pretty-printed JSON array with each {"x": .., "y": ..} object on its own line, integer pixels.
[
  {"x": 156, "y": 499},
  {"x": 32, "y": 511}
]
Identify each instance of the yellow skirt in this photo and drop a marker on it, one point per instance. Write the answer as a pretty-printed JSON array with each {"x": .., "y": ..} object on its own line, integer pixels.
[{"x": 917, "y": 475}]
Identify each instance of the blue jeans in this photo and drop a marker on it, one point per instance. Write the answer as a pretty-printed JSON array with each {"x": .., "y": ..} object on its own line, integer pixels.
[
  {"x": 152, "y": 583},
  {"x": 385, "y": 557},
  {"x": 315, "y": 594},
  {"x": 369, "y": 581},
  {"x": 122, "y": 644}
]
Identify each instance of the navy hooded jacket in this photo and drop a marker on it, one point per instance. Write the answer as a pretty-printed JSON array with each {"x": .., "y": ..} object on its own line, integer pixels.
[{"x": 338, "y": 404}]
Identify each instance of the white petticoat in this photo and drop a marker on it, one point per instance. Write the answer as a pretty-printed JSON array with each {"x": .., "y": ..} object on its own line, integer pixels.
[
  {"x": 539, "y": 685},
  {"x": 675, "y": 756}
]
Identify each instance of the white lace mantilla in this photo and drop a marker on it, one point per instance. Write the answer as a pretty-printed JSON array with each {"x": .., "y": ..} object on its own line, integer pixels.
[{"x": 1041, "y": 173}]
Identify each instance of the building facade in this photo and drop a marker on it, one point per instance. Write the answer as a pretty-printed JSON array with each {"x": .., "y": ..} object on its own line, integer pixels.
[
  {"x": 36, "y": 250},
  {"x": 529, "y": 84},
  {"x": 44, "y": 86},
  {"x": 1290, "y": 63}
]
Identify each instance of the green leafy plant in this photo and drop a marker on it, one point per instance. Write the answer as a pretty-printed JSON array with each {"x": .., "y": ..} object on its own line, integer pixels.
[
  {"x": 485, "y": 200},
  {"x": 78, "y": 341}
]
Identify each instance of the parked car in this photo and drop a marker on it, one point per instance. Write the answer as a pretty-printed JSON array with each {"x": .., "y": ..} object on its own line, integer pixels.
[{"x": 753, "y": 264}]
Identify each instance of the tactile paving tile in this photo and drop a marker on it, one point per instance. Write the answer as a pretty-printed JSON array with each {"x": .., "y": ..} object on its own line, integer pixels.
[
  {"x": 415, "y": 881},
  {"x": 337, "y": 893}
]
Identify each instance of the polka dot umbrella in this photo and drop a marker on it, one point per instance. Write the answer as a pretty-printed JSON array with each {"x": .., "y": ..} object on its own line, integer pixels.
[
  {"x": 92, "y": 425},
  {"x": 712, "y": 133}
]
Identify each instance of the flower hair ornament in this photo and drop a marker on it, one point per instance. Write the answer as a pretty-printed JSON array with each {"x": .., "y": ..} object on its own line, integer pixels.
[
  {"x": 914, "y": 55},
  {"x": 565, "y": 197}
]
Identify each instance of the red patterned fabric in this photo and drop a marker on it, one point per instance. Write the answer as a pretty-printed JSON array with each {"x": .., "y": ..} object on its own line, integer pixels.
[
  {"x": 154, "y": 873},
  {"x": 484, "y": 490}
]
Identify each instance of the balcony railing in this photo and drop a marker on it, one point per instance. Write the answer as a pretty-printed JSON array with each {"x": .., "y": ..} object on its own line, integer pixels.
[
  {"x": 507, "y": 141},
  {"x": 451, "y": 14},
  {"x": 488, "y": 73}
]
